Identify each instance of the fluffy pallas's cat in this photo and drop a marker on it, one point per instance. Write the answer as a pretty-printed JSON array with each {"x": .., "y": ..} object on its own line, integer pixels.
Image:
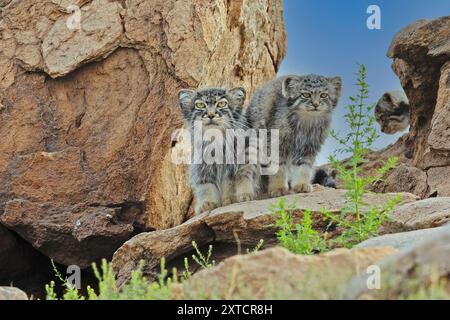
[
  {"x": 392, "y": 112},
  {"x": 215, "y": 184},
  {"x": 300, "y": 107}
]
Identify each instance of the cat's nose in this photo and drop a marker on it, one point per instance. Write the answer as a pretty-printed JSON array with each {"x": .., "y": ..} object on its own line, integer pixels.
[{"x": 211, "y": 115}]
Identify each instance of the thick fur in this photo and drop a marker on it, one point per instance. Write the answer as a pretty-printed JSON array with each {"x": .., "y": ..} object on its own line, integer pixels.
[
  {"x": 392, "y": 112},
  {"x": 214, "y": 184},
  {"x": 326, "y": 177},
  {"x": 300, "y": 107}
]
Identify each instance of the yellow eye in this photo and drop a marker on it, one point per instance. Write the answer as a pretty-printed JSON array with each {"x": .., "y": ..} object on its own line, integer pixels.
[
  {"x": 222, "y": 104},
  {"x": 200, "y": 105},
  {"x": 306, "y": 95},
  {"x": 324, "y": 95}
]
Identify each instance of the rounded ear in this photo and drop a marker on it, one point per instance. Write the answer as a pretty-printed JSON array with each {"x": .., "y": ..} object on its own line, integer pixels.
[
  {"x": 333, "y": 173},
  {"x": 287, "y": 86},
  {"x": 387, "y": 97},
  {"x": 238, "y": 94},
  {"x": 336, "y": 82},
  {"x": 185, "y": 96}
]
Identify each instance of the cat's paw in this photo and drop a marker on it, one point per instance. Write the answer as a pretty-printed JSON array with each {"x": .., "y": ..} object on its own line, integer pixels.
[
  {"x": 302, "y": 188},
  {"x": 207, "y": 206},
  {"x": 245, "y": 197},
  {"x": 275, "y": 193}
]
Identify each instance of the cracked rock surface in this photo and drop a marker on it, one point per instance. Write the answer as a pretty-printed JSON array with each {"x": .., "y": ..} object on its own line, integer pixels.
[{"x": 87, "y": 110}]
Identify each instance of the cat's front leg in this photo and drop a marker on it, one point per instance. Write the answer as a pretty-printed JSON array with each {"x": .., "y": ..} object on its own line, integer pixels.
[
  {"x": 207, "y": 197},
  {"x": 227, "y": 192},
  {"x": 246, "y": 182},
  {"x": 301, "y": 178},
  {"x": 278, "y": 183}
]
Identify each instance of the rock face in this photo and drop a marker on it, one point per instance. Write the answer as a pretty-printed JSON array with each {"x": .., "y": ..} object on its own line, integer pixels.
[
  {"x": 424, "y": 264},
  {"x": 231, "y": 229},
  {"x": 88, "y": 107},
  {"x": 421, "y": 54},
  {"x": 256, "y": 276}
]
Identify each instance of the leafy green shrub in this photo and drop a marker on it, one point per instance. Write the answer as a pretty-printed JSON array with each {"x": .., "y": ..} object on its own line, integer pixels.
[
  {"x": 298, "y": 238},
  {"x": 138, "y": 288},
  {"x": 357, "y": 143},
  {"x": 200, "y": 259}
]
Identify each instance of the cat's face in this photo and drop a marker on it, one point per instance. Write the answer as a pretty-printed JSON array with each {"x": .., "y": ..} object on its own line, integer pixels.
[
  {"x": 392, "y": 112},
  {"x": 312, "y": 94},
  {"x": 214, "y": 107}
]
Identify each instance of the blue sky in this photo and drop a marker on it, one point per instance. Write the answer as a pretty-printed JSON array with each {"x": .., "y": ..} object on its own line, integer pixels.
[{"x": 330, "y": 37}]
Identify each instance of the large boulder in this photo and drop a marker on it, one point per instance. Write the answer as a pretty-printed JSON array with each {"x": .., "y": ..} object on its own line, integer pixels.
[
  {"x": 401, "y": 240},
  {"x": 88, "y": 105},
  {"x": 421, "y": 59},
  {"x": 231, "y": 229},
  {"x": 423, "y": 214},
  {"x": 277, "y": 273},
  {"x": 421, "y": 270}
]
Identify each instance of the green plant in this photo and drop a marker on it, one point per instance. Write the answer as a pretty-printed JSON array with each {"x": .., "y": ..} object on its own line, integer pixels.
[
  {"x": 357, "y": 143},
  {"x": 200, "y": 259},
  {"x": 70, "y": 292},
  {"x": 137, "y": 288},
  {"x": 298, "y": 238}
]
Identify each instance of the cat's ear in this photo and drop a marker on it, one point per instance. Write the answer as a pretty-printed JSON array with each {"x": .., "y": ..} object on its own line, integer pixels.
[
  {"x": 288, "y": 86},
  {"x": 336, "y": 86},
  {"x": 238, "y": 94},
  {"x": 387, "y": 97},
  {"x": 185, "y": 97},
  {"x": 336, "y": 83},
  {"x": 334, "y": 173}
]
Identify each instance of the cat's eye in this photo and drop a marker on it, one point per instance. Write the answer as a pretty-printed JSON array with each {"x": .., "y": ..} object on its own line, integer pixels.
[
  {"x": 222, "y": 104},
  {"x": 200, "y": 105},
  {"x": 324, "y": 95},
  {"x": 306, "y": 95}
]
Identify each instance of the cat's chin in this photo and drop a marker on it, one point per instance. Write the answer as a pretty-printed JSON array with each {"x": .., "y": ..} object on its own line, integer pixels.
[
  {"x": 212, "y": 125},
  {"x": 312, "y": 113}
]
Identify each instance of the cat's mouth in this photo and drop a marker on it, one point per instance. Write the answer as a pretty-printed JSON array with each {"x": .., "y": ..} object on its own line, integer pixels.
[{"x": 211, "y": 122}]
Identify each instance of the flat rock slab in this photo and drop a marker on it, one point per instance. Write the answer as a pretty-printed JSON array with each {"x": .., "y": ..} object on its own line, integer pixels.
[
  {"x": 236, "y": 225},
  {"x": 256, "y": 276},
  {"x": 402, "y": 275},
  {"x": 11, "y": 293},
  {"x": 402, "y": 240},
  {"x": 98, "y": 33},
  {"x": 428, "y": 213}
]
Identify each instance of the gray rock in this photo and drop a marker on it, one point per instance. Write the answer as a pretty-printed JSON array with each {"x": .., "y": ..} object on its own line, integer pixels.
[
  {"x": 404, "y": 274},
  {"x": 428, "y": 213},
  {"x": 11, "y": 293},
  {"x": 402, "y": 240}
]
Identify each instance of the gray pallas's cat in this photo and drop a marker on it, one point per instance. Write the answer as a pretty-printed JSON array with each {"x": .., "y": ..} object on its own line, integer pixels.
[
  {"x": 300, "y": 107},
  {"x": 392, "y": 112},
  {"x": 216, "y": 110}
]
